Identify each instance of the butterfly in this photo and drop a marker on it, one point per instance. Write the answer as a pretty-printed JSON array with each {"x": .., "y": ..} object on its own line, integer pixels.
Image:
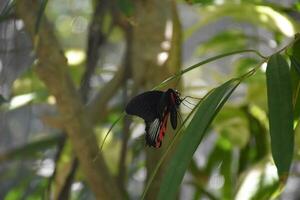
[{"x": 155, "y": 107}]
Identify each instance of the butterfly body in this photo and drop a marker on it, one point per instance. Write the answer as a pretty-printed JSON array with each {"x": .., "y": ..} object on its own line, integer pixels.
[{"x": 155, "y": 107}]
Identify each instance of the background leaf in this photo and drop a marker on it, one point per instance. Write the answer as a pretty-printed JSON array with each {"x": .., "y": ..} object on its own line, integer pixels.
[{"x": 279, "y": 90}]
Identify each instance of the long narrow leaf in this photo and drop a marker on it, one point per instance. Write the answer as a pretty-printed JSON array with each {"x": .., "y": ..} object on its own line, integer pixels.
[
  {"x": 192, "y": 138},
  {"x": 279, "y": 90}
]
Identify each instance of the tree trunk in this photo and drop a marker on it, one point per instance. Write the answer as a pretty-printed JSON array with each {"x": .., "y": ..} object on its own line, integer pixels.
[{"x": 52, "y": 70}]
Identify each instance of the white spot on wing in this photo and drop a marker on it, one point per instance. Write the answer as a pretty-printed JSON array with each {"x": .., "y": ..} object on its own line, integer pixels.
[{"x": 154, "y": 129}]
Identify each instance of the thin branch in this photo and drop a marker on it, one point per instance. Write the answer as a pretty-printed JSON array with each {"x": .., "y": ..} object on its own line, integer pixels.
[{"x": 97, "y": 107}]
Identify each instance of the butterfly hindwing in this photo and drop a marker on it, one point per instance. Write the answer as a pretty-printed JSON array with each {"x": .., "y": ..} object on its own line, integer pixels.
[
  {"x": 162, "y": 129},
  {"x": 152, "y": 131},
  {"x": 155, "y": 131}
]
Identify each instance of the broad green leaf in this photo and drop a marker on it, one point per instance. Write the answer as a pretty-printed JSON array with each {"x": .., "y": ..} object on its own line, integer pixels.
[
  {"x": 194, "y": 133},
  {"x": 279, "y": 90}
]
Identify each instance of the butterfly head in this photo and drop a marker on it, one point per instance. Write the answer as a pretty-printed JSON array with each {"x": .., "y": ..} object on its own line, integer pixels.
[{"x": 175, "y": 97}]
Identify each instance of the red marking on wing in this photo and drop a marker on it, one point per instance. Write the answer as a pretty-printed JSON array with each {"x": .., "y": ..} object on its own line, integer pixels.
[{"x": 162, "y": 130}]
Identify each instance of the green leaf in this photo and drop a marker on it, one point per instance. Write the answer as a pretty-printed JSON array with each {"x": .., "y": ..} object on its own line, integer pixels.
[
  {"x": 279, "y": 90},
  {"x": 295, "y": 78},
  {"x": 296, "y": 63},
  {"x": 295, "y": 75},
  {"x": 194, "y": 133}
]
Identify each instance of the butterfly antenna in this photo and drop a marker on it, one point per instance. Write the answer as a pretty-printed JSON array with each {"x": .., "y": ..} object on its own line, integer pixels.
[
  {"x": 198, "y": 98},
  {"x": 190, "y": 102},
  {"x": 186, "y": 106},
  {"x": 180, "y": 117},
  {"x": 106, "y": 135}
]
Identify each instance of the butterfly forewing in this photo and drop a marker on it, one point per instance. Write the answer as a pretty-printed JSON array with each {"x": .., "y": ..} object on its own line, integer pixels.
[
  {"x": 145, "y": 105},
  {"x": 173, "y": 117}
]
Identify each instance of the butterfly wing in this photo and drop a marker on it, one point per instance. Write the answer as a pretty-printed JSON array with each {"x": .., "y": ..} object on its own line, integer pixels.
[
  {"x": 155, "y": 131},
  {"x": 145, "y": 105},
  {"x": 173, "y": 117},
  {"x": 152, "y": 131}
]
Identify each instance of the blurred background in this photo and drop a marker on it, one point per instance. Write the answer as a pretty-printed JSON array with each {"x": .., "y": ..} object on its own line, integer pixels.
[{"x": 116, "y": 49}]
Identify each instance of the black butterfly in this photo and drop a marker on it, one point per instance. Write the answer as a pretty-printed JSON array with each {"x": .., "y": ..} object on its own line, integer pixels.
[{"x": 155, "y": 107}]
